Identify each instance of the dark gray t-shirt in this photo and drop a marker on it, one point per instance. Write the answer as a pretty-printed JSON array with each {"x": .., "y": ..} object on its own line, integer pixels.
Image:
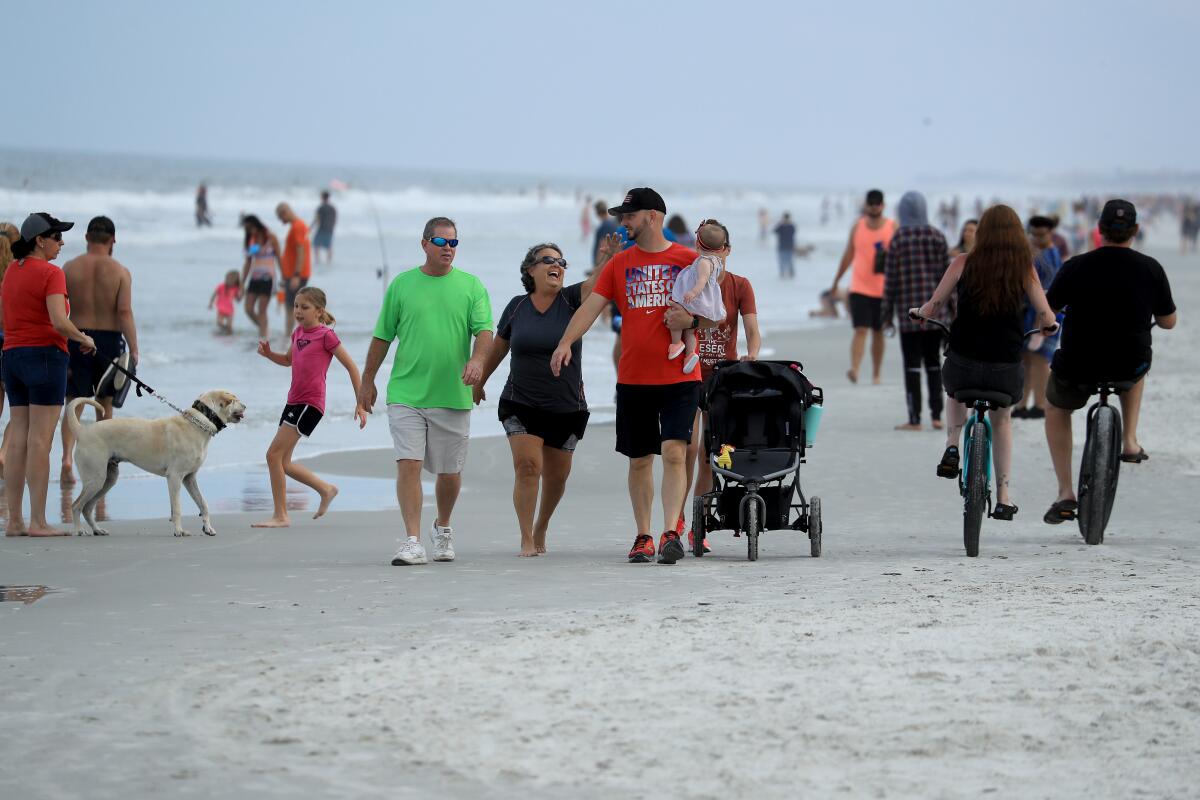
[
  {"x": 532, "y": 337},
  {"x": 326, "y": 217},
  {"x": 785, "y": 233}
]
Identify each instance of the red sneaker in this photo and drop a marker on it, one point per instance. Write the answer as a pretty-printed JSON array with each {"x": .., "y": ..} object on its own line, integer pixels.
[
  {"x": 643, "y": 549},
  {"x": 692, "y": 542},
  {"x": 680, "y": 525},
  {"x": 670, "y": 549}
]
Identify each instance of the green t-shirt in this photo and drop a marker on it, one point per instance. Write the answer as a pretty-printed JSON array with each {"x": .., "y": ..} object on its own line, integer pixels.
[{"x": 435, "y": 320}]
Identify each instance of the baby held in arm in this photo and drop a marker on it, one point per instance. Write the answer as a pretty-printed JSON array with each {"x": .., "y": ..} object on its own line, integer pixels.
[{"x": 697, "y": 288}]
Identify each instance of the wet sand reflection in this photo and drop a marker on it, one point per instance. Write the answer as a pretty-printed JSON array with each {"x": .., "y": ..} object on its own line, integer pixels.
[{"x": 237, "y": 490}]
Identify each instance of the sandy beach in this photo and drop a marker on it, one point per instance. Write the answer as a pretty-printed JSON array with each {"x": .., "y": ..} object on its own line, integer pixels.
[{"x": 298, "y": 663}]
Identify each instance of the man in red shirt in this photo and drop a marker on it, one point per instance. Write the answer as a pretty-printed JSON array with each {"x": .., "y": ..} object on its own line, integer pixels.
[
  {"x": 656, "y": 402},
  {"x": 296, "y": 264}
]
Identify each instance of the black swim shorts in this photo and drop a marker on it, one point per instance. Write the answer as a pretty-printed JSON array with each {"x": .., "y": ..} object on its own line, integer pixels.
[
  {"x": 84, "y": 370},
  {"x": 302, "y": 417}
]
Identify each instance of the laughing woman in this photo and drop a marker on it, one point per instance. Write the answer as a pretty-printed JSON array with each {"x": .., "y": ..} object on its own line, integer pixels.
[{"x": 544, "y": 416}]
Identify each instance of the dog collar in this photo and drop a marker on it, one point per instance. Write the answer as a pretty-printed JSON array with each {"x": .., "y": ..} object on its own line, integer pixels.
[{"x": 209, "y": 415}]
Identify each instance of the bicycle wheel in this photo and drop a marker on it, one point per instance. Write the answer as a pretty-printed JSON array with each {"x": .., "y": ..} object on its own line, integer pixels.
[
  {"x": 814, "y": 527},
  {"x": 1098, "y": 472},
  {"x": 698, "y": 532},
  {"x": 975, "y": 481},
  {"x": 752, "y": 530}
]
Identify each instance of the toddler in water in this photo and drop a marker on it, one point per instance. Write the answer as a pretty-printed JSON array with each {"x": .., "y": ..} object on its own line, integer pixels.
[
  {"x": 697, "y": 288},
  {"x": 314, "y": 346},
  {"x": 225, "y": 295}
]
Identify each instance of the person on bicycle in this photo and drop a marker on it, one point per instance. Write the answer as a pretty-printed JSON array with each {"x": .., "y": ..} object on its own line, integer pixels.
[
  {"x": 987, "y": 336},
  {"x": 1110, "y": 295}
]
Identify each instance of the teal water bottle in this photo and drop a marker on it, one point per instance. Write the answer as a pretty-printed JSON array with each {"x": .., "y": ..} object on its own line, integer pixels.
[{"x": 812, "y": 421}]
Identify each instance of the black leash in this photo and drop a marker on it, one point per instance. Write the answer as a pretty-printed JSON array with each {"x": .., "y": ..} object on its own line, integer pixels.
[
  {"x": 139, "y": 385},
  {"x": 137, "y": 382}
]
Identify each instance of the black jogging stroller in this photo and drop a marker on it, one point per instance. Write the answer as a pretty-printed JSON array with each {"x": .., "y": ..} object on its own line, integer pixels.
[{"x": 755, "y": 442}]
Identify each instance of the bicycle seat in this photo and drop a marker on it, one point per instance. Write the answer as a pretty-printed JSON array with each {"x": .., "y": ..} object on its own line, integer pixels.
[
  {"x": 1116, "y": 386},
  {"x": 971, "y": 396}
]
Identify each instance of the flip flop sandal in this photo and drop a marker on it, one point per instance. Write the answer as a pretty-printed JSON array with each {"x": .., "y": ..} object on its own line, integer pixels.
[
  {"x": 1135, "y": 458},
  {"x": 1004, "y": 511},
  {"x": 1061, "y": 511}
]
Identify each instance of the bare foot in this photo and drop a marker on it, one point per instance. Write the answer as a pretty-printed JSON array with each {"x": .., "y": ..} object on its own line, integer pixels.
[
  {"x": 66, "y": 475},
  {"x": 541, "y": 548},
  {"x": 877, "y": 380},
  {"x": 47, "y": 531},
  {"x": 528, "y": 549},
  {"x": 273, "y": 522},
  {"x": 16, "y": 533},
  {"x": 852, "y": 375},
  {"x": 326, "y": 499},
  {"x": 907, "y": 427},
  {"x": 938, "y": 425}
]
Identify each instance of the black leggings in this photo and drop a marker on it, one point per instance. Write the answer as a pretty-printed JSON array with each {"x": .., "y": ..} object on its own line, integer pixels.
[{"x": 918, "y": 347}]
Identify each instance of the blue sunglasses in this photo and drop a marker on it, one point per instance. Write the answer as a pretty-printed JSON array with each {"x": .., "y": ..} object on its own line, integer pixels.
[{"x": 441, "y": 241}]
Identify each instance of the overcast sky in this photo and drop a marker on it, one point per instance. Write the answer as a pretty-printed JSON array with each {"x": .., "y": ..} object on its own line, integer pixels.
[{"x": 815, "y": 93}]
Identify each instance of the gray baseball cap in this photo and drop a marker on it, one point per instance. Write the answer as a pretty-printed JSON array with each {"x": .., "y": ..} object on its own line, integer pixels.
[{"x": 40, "y": 224}]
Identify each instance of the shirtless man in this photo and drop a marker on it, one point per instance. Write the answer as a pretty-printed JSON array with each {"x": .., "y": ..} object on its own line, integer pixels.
[{"x": 100, "y": 292}]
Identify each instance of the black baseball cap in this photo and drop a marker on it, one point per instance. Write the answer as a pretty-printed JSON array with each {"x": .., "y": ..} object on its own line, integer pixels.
[
  {"x": 1118, "y": 214},
  {"x": 40, "y": 224},
  {"x": 102, "y": 225},
  {"x": 874, "y": 198},
  {"x": 1042, "y": 221},
  {"x": 641, "y": 199}
]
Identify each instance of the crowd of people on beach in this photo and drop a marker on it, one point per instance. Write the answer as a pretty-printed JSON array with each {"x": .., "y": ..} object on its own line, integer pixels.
[{"x": 676, "y": 307}]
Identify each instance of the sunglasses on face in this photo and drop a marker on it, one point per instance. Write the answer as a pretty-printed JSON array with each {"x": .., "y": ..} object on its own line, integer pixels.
[
  {"x": 562, "y": 262},
  {"x": 442, "y": 241},
  {"x": 56, "y": 236}
]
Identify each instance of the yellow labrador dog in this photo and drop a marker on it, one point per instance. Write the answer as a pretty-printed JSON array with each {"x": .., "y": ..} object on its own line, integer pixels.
[{"x": 173, "y": 447}]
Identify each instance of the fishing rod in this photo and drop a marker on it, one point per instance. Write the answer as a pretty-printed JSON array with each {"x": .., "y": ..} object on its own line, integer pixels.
[{"x": 382, "y": 272}]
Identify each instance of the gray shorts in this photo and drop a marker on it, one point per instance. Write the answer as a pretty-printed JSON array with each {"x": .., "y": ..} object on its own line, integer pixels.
[{"x": 435, "y": 436}]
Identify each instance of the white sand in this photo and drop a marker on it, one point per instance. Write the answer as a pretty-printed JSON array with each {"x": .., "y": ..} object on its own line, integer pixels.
[{"x": 298, "y": 663}]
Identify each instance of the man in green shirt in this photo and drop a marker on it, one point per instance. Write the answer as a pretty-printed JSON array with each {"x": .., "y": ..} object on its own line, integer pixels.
[{"x": 434, "y": 310}]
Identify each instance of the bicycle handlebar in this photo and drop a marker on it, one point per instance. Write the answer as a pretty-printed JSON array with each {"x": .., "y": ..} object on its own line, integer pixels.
[{"x": 915, "y": 314}]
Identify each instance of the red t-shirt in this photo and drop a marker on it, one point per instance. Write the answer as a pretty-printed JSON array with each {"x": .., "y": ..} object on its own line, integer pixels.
[
  {"x": 720, "y": 343},
  {"x": 27, "y": 284},
  {"x": 640, "y": 284},
  {"x": 297, "y": 237}
]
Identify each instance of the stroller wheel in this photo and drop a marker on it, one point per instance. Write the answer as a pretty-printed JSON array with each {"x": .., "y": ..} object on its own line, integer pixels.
[
  {"x": 814, "y": 527},
  {"x": 698, "y": 527}
]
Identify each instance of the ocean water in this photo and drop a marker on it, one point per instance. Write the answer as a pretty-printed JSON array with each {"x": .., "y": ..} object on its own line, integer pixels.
[{"x": 176, "y": 265}]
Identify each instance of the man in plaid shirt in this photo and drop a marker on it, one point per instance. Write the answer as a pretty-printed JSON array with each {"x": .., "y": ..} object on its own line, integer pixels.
[{"x": 916, "y": 261}]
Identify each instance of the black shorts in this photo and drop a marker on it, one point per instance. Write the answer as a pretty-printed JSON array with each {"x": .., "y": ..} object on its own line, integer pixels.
[
  {"x": 647, "y": 416},
  {"x": 260, "y": 286},
  {"x": 866, "y": 312},
  {"x": 1069, "y": 395},
  {"x": 561, "y": 430},
  {"x": 85, "y": 369},
  {"x": 302, "y": 417},
  {"x": 289, "y": 294},
  {"x": 960, "y": 373}
]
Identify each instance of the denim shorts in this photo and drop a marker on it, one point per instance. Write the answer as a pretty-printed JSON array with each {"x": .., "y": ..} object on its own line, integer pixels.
[
  {"x": 960, "y": 373},
  {"x": 35, "y": 376}
]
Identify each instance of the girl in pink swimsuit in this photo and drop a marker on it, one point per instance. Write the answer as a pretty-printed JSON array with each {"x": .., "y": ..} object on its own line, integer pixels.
[{"x": 225, "y": 296}]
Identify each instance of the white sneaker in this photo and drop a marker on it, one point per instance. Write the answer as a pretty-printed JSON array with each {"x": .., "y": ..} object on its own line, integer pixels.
[
  {"x": 443, "y": 542},
  {"x": 410, "y": 554}
]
